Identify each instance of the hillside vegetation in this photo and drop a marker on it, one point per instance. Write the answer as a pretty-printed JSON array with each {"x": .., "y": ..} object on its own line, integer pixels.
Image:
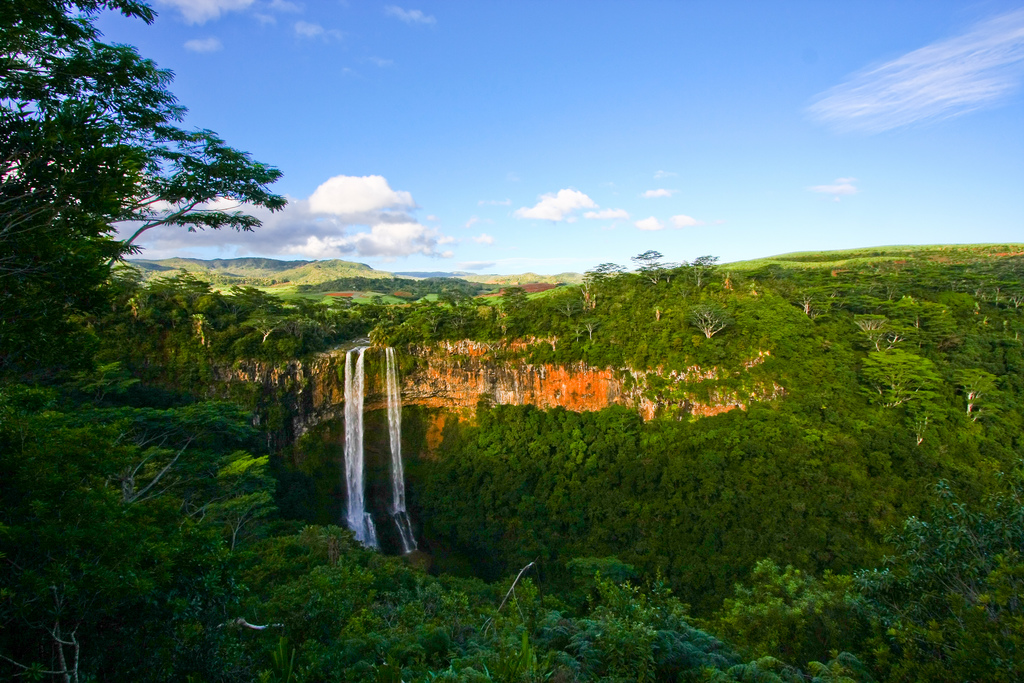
[
  {"x": 822, "y": 482},
  {"x": 845, "y": 524},
  {"x": 258, "y": 271}
]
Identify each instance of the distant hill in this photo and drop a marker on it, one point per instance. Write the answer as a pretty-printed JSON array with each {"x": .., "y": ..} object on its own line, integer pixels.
[
  {"x": 266, "y": 271},
  {"x": 260, "y": 271},
  {"x": 525, "y": 278},
  {"x": 424, "y": 274},
  {"x": 853, "y": 258}
]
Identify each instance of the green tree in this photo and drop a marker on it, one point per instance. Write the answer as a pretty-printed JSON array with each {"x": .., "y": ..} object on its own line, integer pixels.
[
  {"x": 791, "y": 615},
  {"x": 979, "y": 389},
  {"x": 900, "y": 378},
  {"x": 89, "y": 139},
  {"x": 948, "y": 600}
]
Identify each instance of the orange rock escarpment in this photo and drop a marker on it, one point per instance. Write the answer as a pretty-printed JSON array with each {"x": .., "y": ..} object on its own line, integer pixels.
[{"x": 454, "y": 376}]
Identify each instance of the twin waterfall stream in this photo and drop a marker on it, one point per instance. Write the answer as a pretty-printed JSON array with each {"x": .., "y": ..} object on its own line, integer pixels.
[{"x": 358, "y": 519}]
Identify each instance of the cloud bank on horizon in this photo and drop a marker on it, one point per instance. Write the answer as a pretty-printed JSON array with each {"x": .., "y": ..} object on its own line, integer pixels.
[
  {"x": 321, "y": 226},
  {"x": 945, "y": 79}
]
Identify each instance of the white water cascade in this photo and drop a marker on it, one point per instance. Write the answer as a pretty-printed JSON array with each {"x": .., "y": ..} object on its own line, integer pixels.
[
  {"x": 397, "y": 509},
  {"x": 358, "y": 519}
]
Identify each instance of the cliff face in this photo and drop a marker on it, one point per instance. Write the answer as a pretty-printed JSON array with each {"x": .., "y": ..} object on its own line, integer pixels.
[
  {"x": 293, "y": 397},
  {"x": 454, "y": 376}
]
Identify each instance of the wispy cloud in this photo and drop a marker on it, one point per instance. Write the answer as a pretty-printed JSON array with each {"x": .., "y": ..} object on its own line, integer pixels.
[
  {"x": 684, "y": 221},
  {"x": 476, "y": 265},
  {"x": 203, "y": 45},
  {"x": 494, "y": 202},
  {"x": 558, "y": 206},
  {"x": 839, "y": 187},
  {"x": 310, "y": 30},
  {"x": 201, "y": 11},
  {"x": 608, "y": 214},
  {"x": 409, "y": 16},
  {"x": 483, "y": 238},
  {"x": 653, "y": 194},
  {"x": 942, "y": 80},
  {"x": 651, "y": 223},
  {"x": 285, "y": 6},
  {"x": 664, "y": 174},
  {"x": 382, "y": 63}
]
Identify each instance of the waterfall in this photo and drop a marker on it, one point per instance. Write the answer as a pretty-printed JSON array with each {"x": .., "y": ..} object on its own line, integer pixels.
[
  {"x": 359, "y": 521},
  {"x": 398, "y": 512}
]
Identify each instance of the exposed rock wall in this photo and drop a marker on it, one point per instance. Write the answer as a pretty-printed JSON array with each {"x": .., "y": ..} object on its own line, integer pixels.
[{"x": 454, "y": 376}]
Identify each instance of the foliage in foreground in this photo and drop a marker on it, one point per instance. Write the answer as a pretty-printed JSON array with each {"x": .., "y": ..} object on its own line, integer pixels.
[{"x": 136, "y": 546}]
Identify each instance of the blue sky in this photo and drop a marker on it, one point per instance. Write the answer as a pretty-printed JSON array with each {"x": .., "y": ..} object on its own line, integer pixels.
[{"x": 552, "y": 136}]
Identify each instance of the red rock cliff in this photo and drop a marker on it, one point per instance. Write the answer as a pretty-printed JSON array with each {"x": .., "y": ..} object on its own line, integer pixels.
[{"x": 456, "y": 375}]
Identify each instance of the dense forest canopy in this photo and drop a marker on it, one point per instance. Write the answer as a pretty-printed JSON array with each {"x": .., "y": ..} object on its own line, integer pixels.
[{"x": 855, "y": 514}]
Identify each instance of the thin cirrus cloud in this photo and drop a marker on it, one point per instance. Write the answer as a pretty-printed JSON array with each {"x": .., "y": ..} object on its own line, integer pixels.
[
  {"x": 608, "y": 214},
  {"x": 483, "y": 238},
  {"x": 325, "y": 225},
  {"x": 203, "y": 45},
  {"x": 838, "y": 188},
  {"x": 409, "y": 16},
  {"x": 945, "y": 79},
  {"x": 684, "y": 221},
  {"x": 654, "y": 194},
  {"x": 310, "y": 30},
  {"x": 476, "y": 265},
  {"x": 658, "y": 175},
  {"x": 494, "y": 202},
  {"x": 201, "y": 11},
  {"x": 558, "y": 206}
]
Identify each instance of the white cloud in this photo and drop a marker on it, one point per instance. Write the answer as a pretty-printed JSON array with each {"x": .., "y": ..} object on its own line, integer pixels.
[
  {"x": 409, "y": 16},
  {"x": 652, "y": 194},
  {"x": 309, "y": 30},
  {"x": 473, "y": 220},
  {"x": 299, "y": 231},
  {"x": 494, "y": 202},
  {"x": 388, "y": 240},
  {"x": 608, "y": 214},
  {"x": 558, "y": 206},
  {"x": 203, "y": 45},
  {"x": 345, "y": 195},
  {"x": 684, "y": 221},
  {"x": 382, "y": 63},
  {"x": 942, "y": 80},
  {"x": 304, "y": 28},
  {"x": 476, "y": 265},
  {"x": 651, "y": 223},
  {"x": 323, "y": 226},
  {"x": 201, "y": 11},
  {"x": 664, "y": 174},
  {"x": 483, "y": 238},
  {"x": 840, "y": 186}
]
